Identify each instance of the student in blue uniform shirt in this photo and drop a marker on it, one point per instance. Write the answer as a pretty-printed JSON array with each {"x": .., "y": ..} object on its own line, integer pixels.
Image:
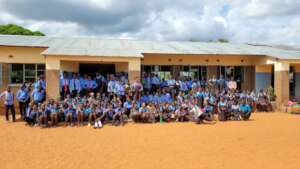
[
  {"x": 23, "y": 97},
  {"x": 221, "y": 82},
  {"x": 40, "y": 82},
  {"x": 53, "y": 114},
  {"x": 43, "y": 115},
  {"x": 183, "y": 86},
  {"x": 147, "y": 82},
  {"x": 82, "y": 80},
  {"x": 144, "y": 98},
  {"x": 64, "y": 86},
  {"x": 9, "y": 103},
  {"x": 163, "y": 83},
  {"x": 222, "y": 109},
  {"x": 100, "y": 82},
  {"x": 38, "y": 95},
  {"x": 90, "y": 85},
  {"x": 155, "y": 83},
  {"x": 75, "y": 86},
  {"x": 31, "y": 114},
  {"x": 128, "y": 106},
  {"x": 121, "y": 91},
  {"x": 245, "y": 110},
  {"x": 69, "y": 113},
  {"x": 111, "y": 87}
]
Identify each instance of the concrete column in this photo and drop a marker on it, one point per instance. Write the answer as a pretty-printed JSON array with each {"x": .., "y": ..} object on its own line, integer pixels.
[
  {"x": 134, "y": 69},
  {"x": 281, "y": 83},
  {"x": 297, "y": 81},
  {"x": 249, "y": 78},
  {"x": 263, "y": 77},
  {"x": 52, "y": 78},
  {"x": 4, "y": 75},
  {"x": 212, "y": 71}
]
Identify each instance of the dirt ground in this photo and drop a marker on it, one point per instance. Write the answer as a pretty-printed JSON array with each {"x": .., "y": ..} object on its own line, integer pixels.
[{"x": 267, "y": 141}]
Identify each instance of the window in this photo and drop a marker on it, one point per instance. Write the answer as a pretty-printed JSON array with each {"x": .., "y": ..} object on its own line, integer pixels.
[
  {"x": 20, "y": 73},
  {"x": 165, "y": 72}
]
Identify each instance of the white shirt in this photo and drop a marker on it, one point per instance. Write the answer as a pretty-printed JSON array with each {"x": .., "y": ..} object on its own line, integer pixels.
[{"x": 9, "y": 98}]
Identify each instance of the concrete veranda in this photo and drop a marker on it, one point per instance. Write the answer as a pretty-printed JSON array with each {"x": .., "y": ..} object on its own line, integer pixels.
[{"x": 268, "y": 140}]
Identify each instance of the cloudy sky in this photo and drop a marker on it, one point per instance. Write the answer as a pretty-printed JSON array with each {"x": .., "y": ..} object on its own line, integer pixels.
[{"x": 240, "y": 21}]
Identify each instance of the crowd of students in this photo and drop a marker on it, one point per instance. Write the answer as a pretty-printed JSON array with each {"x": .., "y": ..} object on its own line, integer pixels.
[{"x": 112, "y": 99}]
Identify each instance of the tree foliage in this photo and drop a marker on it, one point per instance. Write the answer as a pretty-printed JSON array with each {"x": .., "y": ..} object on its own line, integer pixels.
[
  {"x": 223, "y": 40},
  {"x": 12, "y": 29}
]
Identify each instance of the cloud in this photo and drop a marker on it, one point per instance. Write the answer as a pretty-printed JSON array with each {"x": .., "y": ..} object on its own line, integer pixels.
[{"x": 261, "y": 21}]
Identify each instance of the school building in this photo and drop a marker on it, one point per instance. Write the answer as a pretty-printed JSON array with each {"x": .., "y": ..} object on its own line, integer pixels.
[{"x": 24, "y": 58}]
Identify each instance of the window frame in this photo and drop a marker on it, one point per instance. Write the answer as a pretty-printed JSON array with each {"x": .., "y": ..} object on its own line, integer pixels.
[{"x": 24, "y": 77}]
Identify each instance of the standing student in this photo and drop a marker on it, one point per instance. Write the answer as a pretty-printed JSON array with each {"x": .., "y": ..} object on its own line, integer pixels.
[
  {"x": 38, "y": 95},
  {"x": 100, "y": 82},
  {"x": 9, "y": 103},
  {"x": 23, "y": 99},
  {"x": 90, "y": 85},
  {"x": 74, "y": 86},
  {"x": 64, "y": 84},
  {"x": 111, "y": 87}
]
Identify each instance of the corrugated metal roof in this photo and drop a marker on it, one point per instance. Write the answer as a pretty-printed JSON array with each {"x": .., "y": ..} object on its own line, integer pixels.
[{"x": 136, "y": 48}]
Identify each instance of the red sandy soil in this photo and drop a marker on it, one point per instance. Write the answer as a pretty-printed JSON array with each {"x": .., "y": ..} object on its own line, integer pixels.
[{"x": 267, "y": 141}]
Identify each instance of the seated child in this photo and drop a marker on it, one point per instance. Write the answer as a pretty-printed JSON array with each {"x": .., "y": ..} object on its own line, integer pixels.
[
  {"x": 92, "y": 113},
  {"x": 144, "y": 115},
  {"x": 79, "y": 114},
  {"x": 118, "y": 115},
  {"x": 235, "y": 110},
  {"x": 31, "y": 114},
  {"x": 245, "y": 110},
  {"x": 69, "y": 113},
  {"x": 181, "y": 114},
  {"x": 54, "y": 114},
  {"x": 43, "y": 115},
  {"x": 222, "y": 110},
  {"x": 152, "y": 112},
  {"x": 134, "y": 113}
]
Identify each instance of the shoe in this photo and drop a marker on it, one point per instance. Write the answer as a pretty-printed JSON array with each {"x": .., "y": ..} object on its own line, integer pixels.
[
  {"x": 89, "y": 124},
  {"x": 99, "y": 124}
]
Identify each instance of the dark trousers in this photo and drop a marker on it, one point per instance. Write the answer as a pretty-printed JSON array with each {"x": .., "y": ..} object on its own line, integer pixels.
[
  {"x": 74, "y": 93},
  {"x": 64, "y": 92},
  {"x": 23, "y": 107},
  {"x": 12, "y": 110}
]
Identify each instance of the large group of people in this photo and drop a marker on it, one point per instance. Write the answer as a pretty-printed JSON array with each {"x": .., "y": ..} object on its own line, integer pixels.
[{"x": 100, "y": 100}]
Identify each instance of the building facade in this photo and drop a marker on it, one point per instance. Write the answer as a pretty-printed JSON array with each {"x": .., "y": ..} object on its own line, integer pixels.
[{"x": 24, "y": 58}]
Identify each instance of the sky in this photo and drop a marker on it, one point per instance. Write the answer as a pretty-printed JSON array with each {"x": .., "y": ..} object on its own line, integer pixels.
[{"x": 239, "y": 21}]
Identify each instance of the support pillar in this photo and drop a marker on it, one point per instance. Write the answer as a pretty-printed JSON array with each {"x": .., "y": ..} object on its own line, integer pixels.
[
  {"x": 297, "y": 81},
  {"x": 52, "y": 78},
  {"x": 4, "y": 76},
  {"x": 263, "y": 77},
  {"x": 281, "y": 84},
  {"x": 134, "y": 70},
  {"x": 249, "y": 78}
]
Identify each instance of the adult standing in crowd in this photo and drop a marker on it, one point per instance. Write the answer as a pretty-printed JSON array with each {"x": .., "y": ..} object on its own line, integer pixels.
[
  {"x": 232, "y": 85},
  {"x": 64, "y": 84},
  {"x": 9, "y": 103},
  {"x": 23, "y": 97},
  {"x": 75, "y": 86}
]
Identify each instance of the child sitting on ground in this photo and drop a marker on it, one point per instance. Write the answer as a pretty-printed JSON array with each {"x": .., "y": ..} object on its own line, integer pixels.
[{"x": 245, "y": 110}]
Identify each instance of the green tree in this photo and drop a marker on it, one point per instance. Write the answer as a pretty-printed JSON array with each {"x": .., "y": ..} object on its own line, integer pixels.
[
  {"x": 12, "y": 29},
  {"x": 223, "y": 40}
]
